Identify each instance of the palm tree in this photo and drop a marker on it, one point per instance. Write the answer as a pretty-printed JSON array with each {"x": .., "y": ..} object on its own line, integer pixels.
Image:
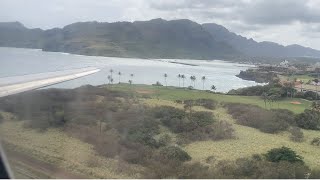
[
  {"x": 183, "y": 77},
  {"x": 203, "y": 80},
  {"x": 111, "y": 71},
  {"x": 131, "y": 80},
  {"x": 213, "y": 87},
  {"x": 165, "y": 78},
  {"x": 179, "y": 77},
  {"x": 109, "y": 78},
  {"x": 119, "y": 73},
  {"x": 193, "y": 79}
]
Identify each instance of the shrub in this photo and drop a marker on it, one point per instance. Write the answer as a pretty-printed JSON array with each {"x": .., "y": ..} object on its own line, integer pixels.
[
  {"x": 174, "y": 152},
  {"x": 168, "y": 112},
  {"x": 178, "y": 121},
  {"x": 309, "y": 119},
  {"x": 143, "y": 133},
  {"x": 202, "y": 118},
  {"x": 165, "y": 140},
  {"x": 207, "y": 103},
  {"x": 269, "y": 121},
  {"x": 296, "y": 134},
  {"x": 315, "y": 174},
  {"x": 211, "y": 160},
  {"x": 157, "y": 84},
  {"x": 315, "y": 141},
  {"x": 283, "y": 154},
  {"x": 222, "y": 130}
]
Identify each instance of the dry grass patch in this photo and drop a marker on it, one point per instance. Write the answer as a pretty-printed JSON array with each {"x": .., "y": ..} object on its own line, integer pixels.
[
  {"x": 251, "y": 141},
  {"x": 57, "y": 148}
]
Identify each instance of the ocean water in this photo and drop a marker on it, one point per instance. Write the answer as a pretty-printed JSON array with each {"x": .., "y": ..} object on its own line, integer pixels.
[{"x": 17, "y": 61}]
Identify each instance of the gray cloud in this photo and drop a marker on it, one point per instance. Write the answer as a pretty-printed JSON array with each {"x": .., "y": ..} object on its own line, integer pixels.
[{"x": 280, "y": 12}]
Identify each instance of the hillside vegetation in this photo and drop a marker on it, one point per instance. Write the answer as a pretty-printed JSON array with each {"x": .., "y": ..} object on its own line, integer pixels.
[{"x": 140, "y": 131}]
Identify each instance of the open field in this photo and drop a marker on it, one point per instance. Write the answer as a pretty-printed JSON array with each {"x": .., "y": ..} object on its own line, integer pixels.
[
  {"x": 171, "y": 93},
  {"x": 304, "y": 78},
  {"x": 249, "y": 141}
]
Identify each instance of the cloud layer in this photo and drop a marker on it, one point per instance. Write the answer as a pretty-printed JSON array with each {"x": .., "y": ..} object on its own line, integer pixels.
[{"x": 282, "y": 21}]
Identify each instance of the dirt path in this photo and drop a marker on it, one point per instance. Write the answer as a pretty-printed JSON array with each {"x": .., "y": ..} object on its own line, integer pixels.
[{"x": 38, "y": 167}]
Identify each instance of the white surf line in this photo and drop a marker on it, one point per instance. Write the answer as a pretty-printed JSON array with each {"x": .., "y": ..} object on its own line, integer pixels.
[{"x": 26, "y": 86}]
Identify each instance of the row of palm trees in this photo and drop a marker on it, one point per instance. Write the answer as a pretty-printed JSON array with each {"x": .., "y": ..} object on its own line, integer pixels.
[
  {"x": 165, "y": 75},
  {"x": 192, "y": 80},
  {"x": 110, "y": 77}
]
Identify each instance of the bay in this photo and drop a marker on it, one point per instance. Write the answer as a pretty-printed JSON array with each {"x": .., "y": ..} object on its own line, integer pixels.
[{"x": 18, "y": 61}]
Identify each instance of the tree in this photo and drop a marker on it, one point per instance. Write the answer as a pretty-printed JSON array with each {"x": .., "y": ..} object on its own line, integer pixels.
[
  {"x": 213, "y": 87},
  {"x": 203, "y": 80},
  {"x": 183, "y": 77},
  {"x": 179, "y": 77},
  {"x": 109, "y": 79},
  {"x": 119, "y": 73},
  {"x": 165, "y": 78},
  {"x": 265, "y": 98},
  {"x": 111, "y": 71},
  {"x": 316, "y": 106},
  {"x": 130, "y": 81},
  {"x": 309, "y": 119},
  {"x": 283, "y": 154},
  {"x": 193, "y": 79},
  {"x": 289, "y": 88}
]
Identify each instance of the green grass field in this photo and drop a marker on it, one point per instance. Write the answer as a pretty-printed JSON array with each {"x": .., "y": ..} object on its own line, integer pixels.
[
  {"x": 172, "y": 93},
  {"x": 304, "y": 78}
]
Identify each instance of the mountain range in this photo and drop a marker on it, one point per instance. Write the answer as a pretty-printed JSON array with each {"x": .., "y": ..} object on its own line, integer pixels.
[{"x": 156, "y": 38}]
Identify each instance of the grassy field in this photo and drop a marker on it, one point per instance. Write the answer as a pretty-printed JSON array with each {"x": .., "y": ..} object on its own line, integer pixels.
[
  {"x": 57, "y": 148},
  {"x": 304, "y": 78},
  {"x": 248, "y": 141},
  {"x": 171, "y": 93}
]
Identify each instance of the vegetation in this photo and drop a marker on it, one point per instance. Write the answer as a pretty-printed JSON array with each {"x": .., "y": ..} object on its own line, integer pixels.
[
  {"x": 315, "y": 141},
  {"x": 155, "y": 137},
  {"x": 269, "y": 121},
  {"x": 296, "y": 134},
  {"x": 283, "y": 154},
  {"x": 309, "y": 119},
  {"x": 173, "y": 94},
  {"x": 257, "y": 75}
]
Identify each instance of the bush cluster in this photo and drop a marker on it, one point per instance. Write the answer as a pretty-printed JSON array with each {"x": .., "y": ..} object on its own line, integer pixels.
[
  {"x": 193, "y": 126},
  {"x": 272, "y": 121}
]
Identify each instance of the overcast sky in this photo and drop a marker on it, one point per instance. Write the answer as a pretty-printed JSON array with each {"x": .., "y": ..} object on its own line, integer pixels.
[{"x": 282, "y": 21}]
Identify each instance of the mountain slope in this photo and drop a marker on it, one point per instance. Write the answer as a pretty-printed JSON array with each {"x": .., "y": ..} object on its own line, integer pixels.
[
  {"x": 156, "y": 38},
  {"x": 250, "y": 47},
  {"x": 14, "y": 34},
  {"x": 147, "y": 39}
]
